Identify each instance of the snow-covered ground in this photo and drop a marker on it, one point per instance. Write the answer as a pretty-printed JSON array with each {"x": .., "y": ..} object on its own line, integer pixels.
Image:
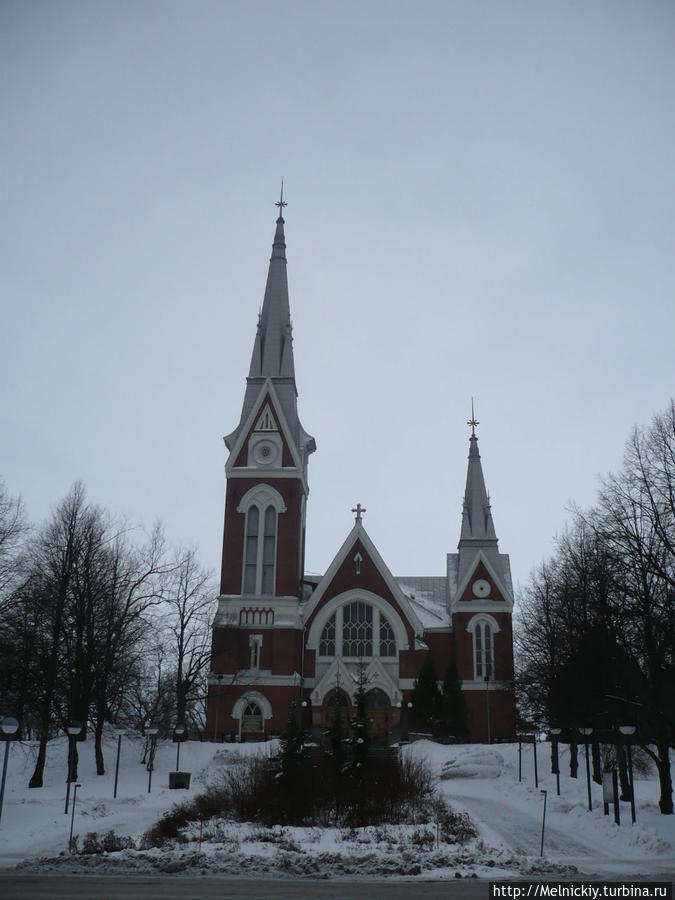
[{"x": 483, "y": 781}]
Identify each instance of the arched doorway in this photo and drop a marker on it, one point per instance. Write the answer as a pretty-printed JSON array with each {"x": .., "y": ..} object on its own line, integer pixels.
[
  {"x": 337, "y": 704},
  {"x": 252, "y": 719},
  {"x": 378, "y": 712}
]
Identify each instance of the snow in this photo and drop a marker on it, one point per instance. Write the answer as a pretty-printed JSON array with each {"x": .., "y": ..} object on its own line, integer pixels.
[{"x": 480, "y": 780}]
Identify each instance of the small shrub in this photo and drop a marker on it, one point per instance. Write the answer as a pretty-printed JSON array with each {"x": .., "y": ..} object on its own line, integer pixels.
[{"x": 94, "y": 844}]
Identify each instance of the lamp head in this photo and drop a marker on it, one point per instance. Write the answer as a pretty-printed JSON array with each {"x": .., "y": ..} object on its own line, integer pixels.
[{"x": 9, "y": 725}]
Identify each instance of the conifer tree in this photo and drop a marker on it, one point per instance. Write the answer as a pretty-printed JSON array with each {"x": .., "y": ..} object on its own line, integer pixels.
[
  {"x": 426, "y": 696},
  {"x": 453, "y": 703}
]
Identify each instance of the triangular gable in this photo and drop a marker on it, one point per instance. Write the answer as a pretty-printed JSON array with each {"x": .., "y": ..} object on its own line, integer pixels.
[
  {"x": 359, "y": 534},
  {"x": 378, "y": 677},
  {"x": 336, "y": 675},
  {"x": 471, "y": 574},
  {"x": 267, "y": 393},
  {"x": 266, "y": 422}
]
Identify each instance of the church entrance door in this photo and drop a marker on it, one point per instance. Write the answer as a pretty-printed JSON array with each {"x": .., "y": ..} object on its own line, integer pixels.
[
  {"x": 378, "y": 711},
  {"x": 337, "y": 705}
]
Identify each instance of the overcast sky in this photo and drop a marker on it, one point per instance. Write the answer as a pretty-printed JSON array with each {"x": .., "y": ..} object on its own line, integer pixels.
[{"x": 480, "y": 203}]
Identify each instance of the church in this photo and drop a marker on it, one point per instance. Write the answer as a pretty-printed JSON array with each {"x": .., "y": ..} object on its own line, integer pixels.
[{"x": 283, "y": 640}]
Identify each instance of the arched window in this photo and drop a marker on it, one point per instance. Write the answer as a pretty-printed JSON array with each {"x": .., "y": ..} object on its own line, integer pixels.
[
  {"x": 269, "y": 546},
  {"x": 251, "y": 552},
  {"x": 357, "y": 629},
  {"x": 260, "y": 551},
  {"x": 387, "y": 640},
  {"x": 360, "y": 630},
  {"x": 327, "y": 642},
  {"x": 483, "y": 650},
  {"x": 262, "y": 505}
]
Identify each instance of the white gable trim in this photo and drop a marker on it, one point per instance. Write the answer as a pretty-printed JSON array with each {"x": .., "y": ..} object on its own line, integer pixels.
[
  {"x": 471, "y": 574},
  {"x": 329, "y": 682},
  {"x": 358, "y": 532},
  {"x": 267, "y": 392}
]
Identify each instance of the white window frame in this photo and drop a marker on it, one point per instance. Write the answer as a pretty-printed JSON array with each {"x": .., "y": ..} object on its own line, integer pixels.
[
  {"x": 255, "y": 643},
  {"x": 261, "y": 496},
  {"x": 489, "y": 624}
]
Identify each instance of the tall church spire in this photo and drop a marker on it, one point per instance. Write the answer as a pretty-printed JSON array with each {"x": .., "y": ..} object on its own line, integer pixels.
[
  {"x": 273, "y": 346},
  {"x": 477, "y": 525},
  {"x": 272, "y": 356}
]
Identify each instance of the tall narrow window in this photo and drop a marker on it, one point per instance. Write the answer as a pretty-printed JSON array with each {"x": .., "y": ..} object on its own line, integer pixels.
[
  {"x": 482, "y": 634},
  {"x": 387, "y": 640},
  {"x": 251, "y": 552},
  {"x": 269, "y": 546},
  {"x": 327, "y": 641}
]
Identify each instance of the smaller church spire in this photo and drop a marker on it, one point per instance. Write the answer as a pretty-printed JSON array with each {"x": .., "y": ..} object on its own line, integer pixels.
[{"x": 477, "y": 524}]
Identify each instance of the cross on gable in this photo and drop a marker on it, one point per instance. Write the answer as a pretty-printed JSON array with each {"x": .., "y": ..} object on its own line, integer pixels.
[{"x": 359, "y": 510}]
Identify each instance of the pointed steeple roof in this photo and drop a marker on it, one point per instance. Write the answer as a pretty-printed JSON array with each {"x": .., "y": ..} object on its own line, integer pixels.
[
  {"x": 272, "y": 355},
  {"x": 478, "y": 539},
  {"x": 477, "y": 524},
  {"x": 273, "y": 346}
]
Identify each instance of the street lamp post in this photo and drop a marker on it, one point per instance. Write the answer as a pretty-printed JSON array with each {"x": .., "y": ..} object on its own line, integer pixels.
[
  {"x": 487, "y": 703},
  {"x": 627, "y": 731},
  {"x": 73, "y": 730},
  {"x": 72, "y": 818},
  {"x": 219, "y": 676},
  {"x": 586, "y": 732},
  {"x": 555, "y": 732},
  {"x": 179, "y": 731},
  {"x": 120, "y": 732},
  {"x": 151, "y": 731},
  {"x": 9, "y": 727}
]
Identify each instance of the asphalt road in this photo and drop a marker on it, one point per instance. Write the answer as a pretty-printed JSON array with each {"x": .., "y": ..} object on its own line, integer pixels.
[{"x": 104, "y": 887}]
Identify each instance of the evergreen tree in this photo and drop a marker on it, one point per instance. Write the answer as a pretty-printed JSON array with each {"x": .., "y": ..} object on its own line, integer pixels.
[
  {"x": 426, "y": 696},
  {"x": 453, "y": 704},
  {"x": 360, "y": 736}
]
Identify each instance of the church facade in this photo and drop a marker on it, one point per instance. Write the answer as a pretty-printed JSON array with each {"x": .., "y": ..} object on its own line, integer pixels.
[{"x": 286, "y": 641}]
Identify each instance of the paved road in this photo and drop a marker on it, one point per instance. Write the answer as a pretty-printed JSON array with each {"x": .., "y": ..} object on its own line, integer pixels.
[{"x": 105, "y": 887}]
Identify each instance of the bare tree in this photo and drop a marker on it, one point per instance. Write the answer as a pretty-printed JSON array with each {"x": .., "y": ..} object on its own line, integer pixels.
[{"x": 189, "y": 600}]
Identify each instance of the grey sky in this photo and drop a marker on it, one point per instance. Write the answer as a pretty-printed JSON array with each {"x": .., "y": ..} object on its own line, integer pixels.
[{"x": 481, "y": 202}]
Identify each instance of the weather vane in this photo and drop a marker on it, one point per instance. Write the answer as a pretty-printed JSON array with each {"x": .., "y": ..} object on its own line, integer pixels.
[
  {"x": 281, "y": 202},
  {"x": 473, "y": 421}
]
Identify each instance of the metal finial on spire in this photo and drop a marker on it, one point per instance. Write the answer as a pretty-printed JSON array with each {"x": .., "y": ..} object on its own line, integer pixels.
[
  {"x": 473, "y": 421},
  {"x": 281, "y": 202}
]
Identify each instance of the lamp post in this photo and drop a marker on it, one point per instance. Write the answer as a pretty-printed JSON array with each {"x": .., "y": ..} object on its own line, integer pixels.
[
  {"x": 555, "y": 732},
  {"x": 627, "y": 731},
  {"x": 586, "y": 732},
  {"x": 72, "y": 818},
  {"x": 151, "y": 731},
  {"x": 179, "y": 731},
  {"x": 9, "y": 727},
  {"x": 487, "y": 704},
  {"x": 120, "y": 732},
  {"x": 73, "y": 730},
  {"x": 219, "y": 676}
]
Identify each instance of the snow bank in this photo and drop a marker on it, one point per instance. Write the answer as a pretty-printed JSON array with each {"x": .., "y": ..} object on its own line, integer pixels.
[{"x": 479, "y": 763}]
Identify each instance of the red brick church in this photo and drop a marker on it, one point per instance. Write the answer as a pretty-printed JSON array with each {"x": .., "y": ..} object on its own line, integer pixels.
[{"x": 283, "y": 639}]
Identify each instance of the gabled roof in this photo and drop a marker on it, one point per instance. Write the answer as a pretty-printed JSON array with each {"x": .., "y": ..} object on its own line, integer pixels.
[
  {"x": 359, "y": 533},
  {"x": 267, "y": 394},
  {"x": 500, "y": 573}
]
